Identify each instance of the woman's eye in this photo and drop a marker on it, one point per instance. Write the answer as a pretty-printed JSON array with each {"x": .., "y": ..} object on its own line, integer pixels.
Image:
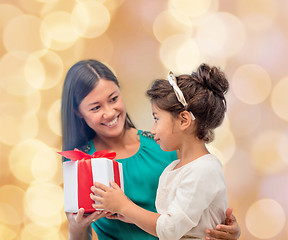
[
  {"x": 95, "y": 108},
  {"x": 114, "y": 99}
]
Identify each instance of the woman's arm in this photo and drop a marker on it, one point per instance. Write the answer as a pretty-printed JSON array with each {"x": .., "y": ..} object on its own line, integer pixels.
[
  {"x": 230, "y": 231},
  {"x": 80, "y": 225},
  {"x": 114, "y": 200}
]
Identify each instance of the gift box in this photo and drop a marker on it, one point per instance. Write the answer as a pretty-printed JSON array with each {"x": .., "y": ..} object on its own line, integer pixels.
[{"x": 80, "y": 173}]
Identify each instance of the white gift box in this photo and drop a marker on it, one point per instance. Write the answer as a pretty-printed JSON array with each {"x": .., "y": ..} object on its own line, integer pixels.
[{"x": 79, "y": 176}]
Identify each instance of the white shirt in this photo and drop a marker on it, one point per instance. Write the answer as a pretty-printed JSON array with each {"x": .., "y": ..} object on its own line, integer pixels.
[{"x": 191, "y": 199}]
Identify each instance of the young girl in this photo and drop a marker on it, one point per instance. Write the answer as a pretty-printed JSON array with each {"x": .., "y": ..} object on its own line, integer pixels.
[{"x": 191, "y": 195}]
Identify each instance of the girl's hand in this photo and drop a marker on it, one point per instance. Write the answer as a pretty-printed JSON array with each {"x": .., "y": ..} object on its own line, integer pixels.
[
  {"x": 230, "y": 231},
  {"x": 79, "y": 224},
  {"x": 111, "y": 199}
]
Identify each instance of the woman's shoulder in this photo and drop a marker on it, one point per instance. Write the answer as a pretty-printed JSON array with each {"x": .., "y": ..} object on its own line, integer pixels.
[
  {"x": 146, "y": 134},
  {"x": 86, "y": 147}
]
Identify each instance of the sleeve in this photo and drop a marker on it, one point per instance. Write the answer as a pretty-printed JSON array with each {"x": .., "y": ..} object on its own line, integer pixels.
[{"x": 194, "y": 194}]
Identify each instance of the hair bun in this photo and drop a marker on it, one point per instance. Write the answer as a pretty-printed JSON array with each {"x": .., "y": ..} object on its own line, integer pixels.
[{"x": 213, "y": 79}]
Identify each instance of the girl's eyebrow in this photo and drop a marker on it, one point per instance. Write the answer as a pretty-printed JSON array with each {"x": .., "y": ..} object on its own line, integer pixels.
[{"x": 98, "y": 102}]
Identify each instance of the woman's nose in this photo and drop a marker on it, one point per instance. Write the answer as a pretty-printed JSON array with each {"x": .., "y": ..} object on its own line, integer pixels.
[{"x": 109, "y": 112}]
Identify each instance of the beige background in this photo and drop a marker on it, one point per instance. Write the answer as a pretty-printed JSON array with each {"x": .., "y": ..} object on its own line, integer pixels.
[{"x": 141, "y": 40}]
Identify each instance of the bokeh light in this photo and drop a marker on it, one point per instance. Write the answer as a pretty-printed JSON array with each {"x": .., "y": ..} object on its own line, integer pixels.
[
  {"x": 43, "y": 203},
  {"x": 54, "y": 117},
  {"x": 269, "y": 216},
  {"x": 267, "y": 159},
  {"x": 90, "y": 18},
  {"x": 279, "y": 99},
  {"x": 221, "y": 34},
  {"x": 251, "y": 84},
  {"x": 58, "y": 27},
  {"x": 17, "y": 36}
]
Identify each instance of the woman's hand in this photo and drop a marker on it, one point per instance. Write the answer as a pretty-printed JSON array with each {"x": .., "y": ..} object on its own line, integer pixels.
[
  {"x": 119, "y": 217},
  {"x": 79, "y": 224},
  {"x": 230, "y": 231}
]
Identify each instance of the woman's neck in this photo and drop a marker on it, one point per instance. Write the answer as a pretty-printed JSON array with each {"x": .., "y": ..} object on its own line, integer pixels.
[{"x": 125, "y": 145}]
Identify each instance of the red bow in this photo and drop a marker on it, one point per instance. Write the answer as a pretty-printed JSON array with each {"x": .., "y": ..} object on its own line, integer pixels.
[{"x": 76, "y": 154}]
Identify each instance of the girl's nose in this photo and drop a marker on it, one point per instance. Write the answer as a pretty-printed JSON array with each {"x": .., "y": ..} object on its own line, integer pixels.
[{"x": 153, "y": 130}]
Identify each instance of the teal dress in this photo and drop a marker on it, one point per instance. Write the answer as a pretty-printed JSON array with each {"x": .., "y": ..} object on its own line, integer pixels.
[{"x": 141, "y": 174}]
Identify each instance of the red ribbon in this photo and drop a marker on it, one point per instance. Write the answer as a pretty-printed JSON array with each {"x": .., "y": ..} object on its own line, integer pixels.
[{"x": 84, "y": 165}]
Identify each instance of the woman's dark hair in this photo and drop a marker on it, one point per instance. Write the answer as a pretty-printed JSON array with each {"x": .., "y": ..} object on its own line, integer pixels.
[
  {"x": 204, "y": 92},
  {"x": 80, "y": 80}
]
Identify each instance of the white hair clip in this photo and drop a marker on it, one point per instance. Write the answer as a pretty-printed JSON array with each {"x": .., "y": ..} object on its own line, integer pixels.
[{"x": 179, "y": 94}]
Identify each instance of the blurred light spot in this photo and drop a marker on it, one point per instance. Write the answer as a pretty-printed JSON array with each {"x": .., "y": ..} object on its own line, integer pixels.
[
  {"x": 272, "y": 187},
  {"x": 43, "y": 200},
  {"x": 43, "y": 70},
  {"x": 224, "y": 142},
  {"x": 22, "y": 156},
  {"x": 282, "y": 147},
  {"x": 174, "y": 47},
  {"x": 165, "y": 25},
  {"x": 267, "y": 159},
  {"x": 241, "y": 120},
  {"x": 279, "y": 99},
  {"x": 251, "y": 84},
  {"x": 34, "y": 231},
  {"x": 7, "y": 233},
  {"x": 13, "y": 196},
  {"x": 265, "y": 219},
  {"x": 185, "y": 63},
  {"x": 18, "y": 37},
  {"x": 90, "y": 18},
  {"x": 57, "y": 25},
  {"x": 7, "y": 13},
  {"x": 15, "y": 124},
  {"x": 257, "y": 15},
  {"x": 8, "y": 214},
  {"x": 221, "y": 34},
  {"x": 12, "y": 74},
  {"x": 44, "y": 164},
  {"x": 102, "y": 47},
  {"x": 54, "y": 118},
  {"x": 190, "y": 8},
  {"x": 239, "y": 164}
]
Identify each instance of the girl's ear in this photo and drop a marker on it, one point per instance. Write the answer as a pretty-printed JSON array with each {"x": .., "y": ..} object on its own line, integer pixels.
[{"x": 185, "y": 120}]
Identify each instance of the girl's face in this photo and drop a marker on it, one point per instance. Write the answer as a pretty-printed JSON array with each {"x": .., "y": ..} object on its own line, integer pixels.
[
  {"x": 103, "y": 109},
  {"x": 165, "y": 129}
]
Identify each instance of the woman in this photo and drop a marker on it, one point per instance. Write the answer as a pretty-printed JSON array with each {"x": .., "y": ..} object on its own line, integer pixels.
[{"x": 94, "y": 118}]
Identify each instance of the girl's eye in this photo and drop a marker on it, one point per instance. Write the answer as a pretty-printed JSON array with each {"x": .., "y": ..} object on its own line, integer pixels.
[{"x": 155, "y": 119}]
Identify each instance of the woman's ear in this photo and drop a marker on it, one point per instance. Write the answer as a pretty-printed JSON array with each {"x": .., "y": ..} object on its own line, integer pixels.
[
  {"x": 185, "y": 120},
  {"x": 78, "y": 114}
]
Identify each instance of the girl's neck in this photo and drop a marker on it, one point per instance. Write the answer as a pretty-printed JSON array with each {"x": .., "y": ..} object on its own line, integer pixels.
[{"x": 190, "y": 151}]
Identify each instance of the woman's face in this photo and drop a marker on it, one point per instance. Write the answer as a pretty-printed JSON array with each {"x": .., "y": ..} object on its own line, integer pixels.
[{"x": 103, "y": 109}]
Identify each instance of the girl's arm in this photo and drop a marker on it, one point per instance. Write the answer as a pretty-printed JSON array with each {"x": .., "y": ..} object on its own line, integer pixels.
[{"x": 114, "y": 200}]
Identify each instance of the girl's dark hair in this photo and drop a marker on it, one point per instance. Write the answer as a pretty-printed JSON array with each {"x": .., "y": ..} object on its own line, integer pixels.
[
  {"x": 204, "y": 92},
  {"x": 80, "y": 80}
]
